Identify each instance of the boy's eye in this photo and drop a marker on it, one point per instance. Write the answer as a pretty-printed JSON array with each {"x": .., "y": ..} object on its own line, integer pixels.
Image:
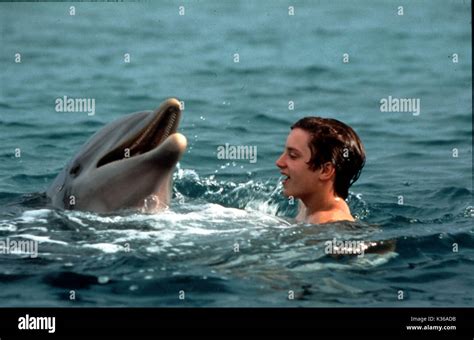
[{"x": 292, "y": 156}]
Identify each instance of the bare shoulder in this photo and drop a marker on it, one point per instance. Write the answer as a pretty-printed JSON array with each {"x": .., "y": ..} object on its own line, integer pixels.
[
  {"x": 341, "y": 213},
  {"x": 330, "y": 216}
]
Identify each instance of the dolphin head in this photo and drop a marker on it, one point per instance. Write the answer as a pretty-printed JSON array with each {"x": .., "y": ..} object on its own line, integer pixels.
[{"x": 125, "y": 164}]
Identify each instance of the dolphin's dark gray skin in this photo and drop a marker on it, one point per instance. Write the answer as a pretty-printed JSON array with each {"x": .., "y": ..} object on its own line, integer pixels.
[{"x": 127, "y": 164}]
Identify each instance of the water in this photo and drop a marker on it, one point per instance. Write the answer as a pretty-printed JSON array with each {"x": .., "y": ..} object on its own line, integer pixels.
[{"x": 228, "y": 238}]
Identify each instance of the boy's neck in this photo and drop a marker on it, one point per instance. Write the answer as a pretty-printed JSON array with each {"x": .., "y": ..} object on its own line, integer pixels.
[{"x": 325, "y": 207}]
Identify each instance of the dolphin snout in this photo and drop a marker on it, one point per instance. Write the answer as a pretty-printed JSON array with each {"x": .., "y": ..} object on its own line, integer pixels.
[
  {"x": 170, "y": 151},
  {"x": 173, "y": 102},
  {"x": 170, "y": 105},
  {"x": 179, "y": 141}
]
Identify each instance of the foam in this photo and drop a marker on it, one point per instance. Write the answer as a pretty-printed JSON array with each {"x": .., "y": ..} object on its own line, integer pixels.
[
  {"x": 106, "y": 247},
  {"x": 6, "y": 226},
  {"x": 40, "y": 239},
  {"x": 37, "y": 216}
]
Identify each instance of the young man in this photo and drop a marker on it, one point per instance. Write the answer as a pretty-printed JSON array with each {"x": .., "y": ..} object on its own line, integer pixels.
[{"x": 323, "y": 157}]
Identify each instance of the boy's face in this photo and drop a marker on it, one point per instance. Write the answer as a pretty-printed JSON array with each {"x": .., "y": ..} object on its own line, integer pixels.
[{"x": 301, "y": 180}]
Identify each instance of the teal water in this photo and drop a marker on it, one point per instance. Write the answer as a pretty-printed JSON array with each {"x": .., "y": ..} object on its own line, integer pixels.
[{"x": 220, "y": 203}]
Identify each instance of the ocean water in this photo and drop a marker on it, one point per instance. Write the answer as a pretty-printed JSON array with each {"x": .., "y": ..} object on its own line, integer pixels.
[{"x": 415, "y": 190}]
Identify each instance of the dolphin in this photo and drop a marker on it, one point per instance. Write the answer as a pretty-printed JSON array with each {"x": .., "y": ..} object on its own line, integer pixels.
[{"x": 128, "y": 164}]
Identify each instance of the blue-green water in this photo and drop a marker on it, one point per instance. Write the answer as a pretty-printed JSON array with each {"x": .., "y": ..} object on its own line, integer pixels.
[{"x": 217, "y": 204}]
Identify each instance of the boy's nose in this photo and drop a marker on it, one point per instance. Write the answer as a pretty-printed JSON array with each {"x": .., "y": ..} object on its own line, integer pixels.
[{"x": 279, "y": 162}]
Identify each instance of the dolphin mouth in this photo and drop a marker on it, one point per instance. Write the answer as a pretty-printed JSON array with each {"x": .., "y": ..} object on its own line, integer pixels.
[{"x": 164, "y": 124}]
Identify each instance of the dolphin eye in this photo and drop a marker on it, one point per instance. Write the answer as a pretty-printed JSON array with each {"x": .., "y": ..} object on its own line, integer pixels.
[{"x": 75, "y": 170}]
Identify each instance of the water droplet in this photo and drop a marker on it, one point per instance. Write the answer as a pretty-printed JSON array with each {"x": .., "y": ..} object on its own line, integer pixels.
[{"x": 103, "y": 279}]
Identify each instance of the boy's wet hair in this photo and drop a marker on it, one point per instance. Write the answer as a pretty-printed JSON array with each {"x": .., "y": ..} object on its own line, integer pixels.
[{"x": 335, "y": 142}]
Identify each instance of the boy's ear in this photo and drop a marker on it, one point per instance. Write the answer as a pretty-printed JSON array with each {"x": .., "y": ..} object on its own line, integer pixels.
[{"x": 328, "y": 171}]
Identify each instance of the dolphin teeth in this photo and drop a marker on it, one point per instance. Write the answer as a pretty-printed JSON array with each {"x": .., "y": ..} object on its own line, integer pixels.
[
  {"x": 146, "y": 140},
  {"x": 169, "y": 127}
]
